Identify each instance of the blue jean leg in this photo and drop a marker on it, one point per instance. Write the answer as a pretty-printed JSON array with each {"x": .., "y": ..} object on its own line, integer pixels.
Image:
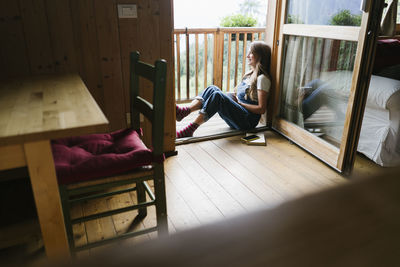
[
  {"x": 315, "y": 100},
  {"x": 236, "y": 116}
]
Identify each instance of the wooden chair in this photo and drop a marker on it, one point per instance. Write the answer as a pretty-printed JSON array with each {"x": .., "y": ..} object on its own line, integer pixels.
[{"x": 89, "y": 167}]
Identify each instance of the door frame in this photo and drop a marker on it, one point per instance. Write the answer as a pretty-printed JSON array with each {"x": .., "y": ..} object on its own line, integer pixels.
[{"x": 342, "y": 158}]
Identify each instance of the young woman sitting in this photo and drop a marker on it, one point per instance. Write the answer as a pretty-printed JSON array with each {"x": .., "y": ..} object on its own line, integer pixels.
[{"x": 241, "y": 110}]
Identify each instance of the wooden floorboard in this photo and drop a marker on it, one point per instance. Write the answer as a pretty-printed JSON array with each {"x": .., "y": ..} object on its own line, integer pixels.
[
  {"x": 265, "y": 171},
  {"x": 218, "y": 179},
  {"x": 196, "y": 200},
  {"x": 241, "y": 173},
  {"x": 180, "y": 214},
  {"x": 222, "y": 199}
]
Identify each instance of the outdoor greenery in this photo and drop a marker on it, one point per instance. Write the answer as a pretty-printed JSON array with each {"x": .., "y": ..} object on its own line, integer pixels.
[
  {"x": 210, "y": 52},
  {"x": 246, "y": 17},
  {"x": 322, "y": 16},
  {"x": 294, "y": 19},
  {"x": 192, "y": 68},
  {"x": 346, "y": 57},
  {"x": 345, "y": 18},
  {"x": 238, "y": 20},
  {"x": 249, "y": 11},
  {"x": 251, "y": 7}
]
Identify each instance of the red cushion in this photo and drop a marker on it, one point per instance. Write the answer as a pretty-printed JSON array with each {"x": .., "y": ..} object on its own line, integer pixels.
[
  {"x": 387, "y": 54},
  {"x": 93, "y": 156}
]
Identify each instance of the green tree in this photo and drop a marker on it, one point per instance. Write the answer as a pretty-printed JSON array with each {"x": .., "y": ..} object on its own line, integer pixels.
[
  {"x": 238, "y": 20},
  {"x": 250, "y": 7},
  {"x": 255, "y": 9},
  {"x": 294, "y": 19},
  {"x": 346, "y": 48},
  {"x": 345, "y": 18}
]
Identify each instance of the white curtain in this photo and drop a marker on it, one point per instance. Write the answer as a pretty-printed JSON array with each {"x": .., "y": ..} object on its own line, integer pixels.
[
  {"x": 311, "y": 59},
  {"x": 293, "y": 60},
  {"x": 388, "y": 23},
  {"x": 298, "y": 64}
]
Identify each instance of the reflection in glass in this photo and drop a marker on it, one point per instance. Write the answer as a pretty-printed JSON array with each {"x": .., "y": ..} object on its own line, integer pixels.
[
  {"x": 398, "y": 10},
  {"x": 326, "y": 12},
  {"x": 316, "y": 83}
]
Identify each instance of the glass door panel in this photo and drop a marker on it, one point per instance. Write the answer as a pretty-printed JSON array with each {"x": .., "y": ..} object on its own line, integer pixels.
[
  {"x": 321, "y": 47},
  {"x": 331, "y": 12},
  {"x": 316, "y": 81}
]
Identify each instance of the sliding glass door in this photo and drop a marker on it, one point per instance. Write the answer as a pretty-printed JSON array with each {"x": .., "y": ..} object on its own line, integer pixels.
[{"x": 324, "y": 48}]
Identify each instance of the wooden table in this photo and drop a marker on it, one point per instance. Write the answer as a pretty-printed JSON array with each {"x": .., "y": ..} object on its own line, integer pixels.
[{"x": 33, "y": 111}]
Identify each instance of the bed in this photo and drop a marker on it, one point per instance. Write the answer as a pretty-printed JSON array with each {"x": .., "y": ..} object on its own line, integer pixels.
[{"x": 380, "y": 132}]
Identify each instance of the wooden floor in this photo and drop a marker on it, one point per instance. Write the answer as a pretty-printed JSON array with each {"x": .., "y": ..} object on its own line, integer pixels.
[{"x": 219, "y": 179}]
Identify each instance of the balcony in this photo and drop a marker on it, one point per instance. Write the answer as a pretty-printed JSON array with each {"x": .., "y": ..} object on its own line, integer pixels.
[{"x": 205, "y": 56}]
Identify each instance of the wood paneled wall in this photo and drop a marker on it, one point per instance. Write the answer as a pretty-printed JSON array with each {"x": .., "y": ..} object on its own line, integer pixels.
[{"x": 86, "y": 36}]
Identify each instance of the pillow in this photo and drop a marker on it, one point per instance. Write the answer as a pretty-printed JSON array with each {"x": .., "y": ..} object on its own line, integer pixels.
[
  {"x": 387, "y": 54},
  {"x": 381, "y": 90}
]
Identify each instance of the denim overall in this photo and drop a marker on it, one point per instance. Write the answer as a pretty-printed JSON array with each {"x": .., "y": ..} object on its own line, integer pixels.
[{"x": 237, "y": 117}]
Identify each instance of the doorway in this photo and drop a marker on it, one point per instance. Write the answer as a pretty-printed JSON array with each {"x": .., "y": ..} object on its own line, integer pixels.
[
  {"x": 214, "y": 53},
  {"x": 322, "y": 49}
]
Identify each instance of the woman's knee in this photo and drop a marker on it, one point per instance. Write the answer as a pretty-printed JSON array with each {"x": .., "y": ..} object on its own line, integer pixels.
[
  {"x": 218, "y": 96},
  {"x": 209, "y": 91},
  {"x": 212, "y": 88}
]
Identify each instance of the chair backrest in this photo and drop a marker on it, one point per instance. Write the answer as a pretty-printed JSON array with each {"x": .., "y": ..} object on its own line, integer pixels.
[{"x": 153, "y": 112}]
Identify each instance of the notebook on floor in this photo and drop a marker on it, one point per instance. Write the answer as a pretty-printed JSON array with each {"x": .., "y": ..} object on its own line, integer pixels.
[{"x": 255, "y": 139}]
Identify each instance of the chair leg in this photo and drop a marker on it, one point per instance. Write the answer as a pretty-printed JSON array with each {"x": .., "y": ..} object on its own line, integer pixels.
[
  {"x": 161, "y": 202},
  {"x": 67, "y": 216},
  {"x": 141, "y": 198}
]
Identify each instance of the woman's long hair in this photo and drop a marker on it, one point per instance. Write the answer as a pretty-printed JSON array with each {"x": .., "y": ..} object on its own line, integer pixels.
[{"x": 262, "y": 53}]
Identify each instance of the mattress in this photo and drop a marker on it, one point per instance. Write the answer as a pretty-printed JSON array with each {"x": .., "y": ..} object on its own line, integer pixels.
[
  {"x": 380, "y": 131},
  {"x": 380, "y": 136}
]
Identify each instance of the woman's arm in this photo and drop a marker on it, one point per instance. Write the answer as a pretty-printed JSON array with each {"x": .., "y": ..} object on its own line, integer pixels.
[{"x": 262, "y": 103}]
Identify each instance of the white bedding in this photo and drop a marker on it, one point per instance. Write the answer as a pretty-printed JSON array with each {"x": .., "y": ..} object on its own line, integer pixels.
[
  {"x": 381, "y": 91},
  {"x": 380, "y": 131},
  {"x": 379, "y": 137}
]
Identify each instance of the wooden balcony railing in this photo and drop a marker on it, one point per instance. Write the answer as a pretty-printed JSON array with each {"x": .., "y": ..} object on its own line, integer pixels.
[{"x": 211, "y": 56}]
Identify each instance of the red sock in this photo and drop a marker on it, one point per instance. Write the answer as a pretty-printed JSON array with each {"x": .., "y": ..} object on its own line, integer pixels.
[
  {"x": 182, "y": 112},
  {"x": 187, "y": 131}
]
